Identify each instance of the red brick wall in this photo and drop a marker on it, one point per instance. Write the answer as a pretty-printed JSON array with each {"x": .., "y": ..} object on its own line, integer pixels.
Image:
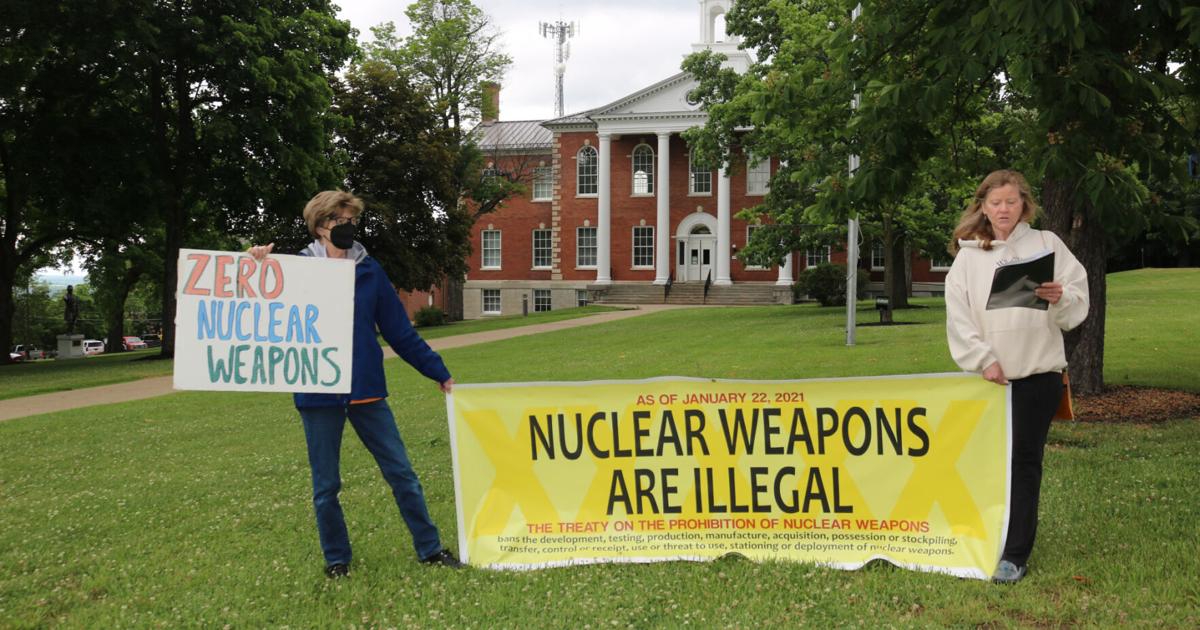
[
  {"x": 520, "y": 216},
  {"x": 516, "y": 219}
]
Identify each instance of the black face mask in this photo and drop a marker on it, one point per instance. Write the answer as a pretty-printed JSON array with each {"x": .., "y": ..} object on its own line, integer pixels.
[{"x": 342, "y": 236}]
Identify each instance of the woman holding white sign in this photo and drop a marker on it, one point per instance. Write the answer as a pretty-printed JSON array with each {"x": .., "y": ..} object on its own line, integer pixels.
[
  {"x": 1017, "y": 345},
  {"x": 332, "y": 217}
]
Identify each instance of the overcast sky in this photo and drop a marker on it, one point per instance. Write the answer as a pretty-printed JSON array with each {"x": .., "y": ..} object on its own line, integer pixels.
[{"x": 621, "y": 47}]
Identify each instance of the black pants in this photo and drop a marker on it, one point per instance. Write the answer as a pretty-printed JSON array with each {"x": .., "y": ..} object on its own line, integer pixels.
[{"x": 1034, "y": 400}]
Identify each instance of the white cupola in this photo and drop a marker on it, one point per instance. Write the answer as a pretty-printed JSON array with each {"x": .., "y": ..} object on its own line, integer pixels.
[{"x": 713, "y": 36}]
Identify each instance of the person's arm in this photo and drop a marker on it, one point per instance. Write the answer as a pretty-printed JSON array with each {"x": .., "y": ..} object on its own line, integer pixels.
[
  {"x": 1071, "y": 287},
  {"x": 398, "y": 332},
  {"x": 967, "y": 345}
]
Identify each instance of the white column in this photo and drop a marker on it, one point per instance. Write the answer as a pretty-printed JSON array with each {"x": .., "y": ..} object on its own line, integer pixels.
[
  {"x": 723, "y": 249},
  {"x": 785, "y": 273},
  {"x": 604, "y": 221},
  {"x": 662, "y": 230}
]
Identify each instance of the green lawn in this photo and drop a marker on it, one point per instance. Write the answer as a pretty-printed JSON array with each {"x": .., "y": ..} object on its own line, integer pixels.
[
  {"x": 193, "y": 509},
  {"x": 42, "y": 377}
]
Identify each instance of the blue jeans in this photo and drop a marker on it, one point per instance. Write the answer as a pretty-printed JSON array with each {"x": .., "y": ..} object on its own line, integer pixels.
[{"x": 376, "y": 427}]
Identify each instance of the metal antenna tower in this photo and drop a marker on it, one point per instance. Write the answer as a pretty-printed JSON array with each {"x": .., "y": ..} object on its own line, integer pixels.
[{"x": 560, "y": 32}]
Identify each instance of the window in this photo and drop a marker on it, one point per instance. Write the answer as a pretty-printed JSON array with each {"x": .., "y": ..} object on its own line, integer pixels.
[
  {"x": 581, "y": 297},
  {"x": 941, "y": 262},
  {"x": 820, "y": 255},
  {"x": 541, "y": 300},
  {"x": 757, "y": 176},
  {"x": 700, "y": 177},
  {"x": 749, "y": 235},
  {"x": 491, "y": 249},
  {"x": 543, "y": 183},
  {"x": 877, "y": 258},
  {"x": 491, "y": 301},
  {"x": 541, "y": 249},
  {"x": 585, "y": 247},
  {"x": 643, "y": 170},
  {"x": 586, "y": 176},
  {"x": 643, "y": 246}
]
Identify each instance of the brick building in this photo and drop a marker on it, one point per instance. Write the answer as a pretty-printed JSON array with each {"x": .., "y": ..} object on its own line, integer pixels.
[{"x": 617, "y": 209}]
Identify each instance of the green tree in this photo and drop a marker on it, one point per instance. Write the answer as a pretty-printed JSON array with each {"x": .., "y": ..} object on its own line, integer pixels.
[
  {"x": 237, "y": 99},
  {"x": 1102, "y": 81},
  {"x": 58, "y": 125},
  {"x": 451, "y": 56},
  {"x": 453, "y": 52},
  {"x": 400, "y": 160}
]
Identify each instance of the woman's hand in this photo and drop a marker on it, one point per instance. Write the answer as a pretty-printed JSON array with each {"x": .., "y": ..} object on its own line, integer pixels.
[
  {"x": 1049, "y": 291},
  {"x": 995, "y": 374},
  {"x": 260, "y": 252},
  {"x": 447, "y": 386}
]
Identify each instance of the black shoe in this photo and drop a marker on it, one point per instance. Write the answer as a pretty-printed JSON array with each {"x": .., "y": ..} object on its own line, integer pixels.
[
  {"x": 443, "y": 558},
  {"x": 339, "y": 570}
]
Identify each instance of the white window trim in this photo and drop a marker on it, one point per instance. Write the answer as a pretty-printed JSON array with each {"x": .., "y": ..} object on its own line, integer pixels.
[
  {"x": 933, "y": 266},
  {"x": 884, "y": 265},
  {"x": 549, "y": 305},
  {"x": 692, "y": 180},
  {"x": 483, "y": 250},
  {"x": 533, "y": 189},
  {"x": 827, "y": 258},
  {"x": 578, "y": 194},
  {"x": 746, "y": 266},
  {"x": 533, "y": 249},
  {"x": 633, "y": 246},
  {"x": 650, "y": 174},
  {"x": 587, "y": 227},
  {"x": 483, "y": 302},
  {"x": 766, "y": 185}
]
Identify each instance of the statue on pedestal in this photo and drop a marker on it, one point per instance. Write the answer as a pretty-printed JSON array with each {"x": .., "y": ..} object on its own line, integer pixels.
[{"x": 70, "y": 309}]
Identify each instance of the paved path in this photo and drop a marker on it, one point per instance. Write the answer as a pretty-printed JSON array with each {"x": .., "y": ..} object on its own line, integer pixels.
[{"x": 161, "y": 385}]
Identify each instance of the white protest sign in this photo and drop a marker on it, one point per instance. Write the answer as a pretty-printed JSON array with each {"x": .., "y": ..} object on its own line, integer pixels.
[{"x": 285, "y": 324}]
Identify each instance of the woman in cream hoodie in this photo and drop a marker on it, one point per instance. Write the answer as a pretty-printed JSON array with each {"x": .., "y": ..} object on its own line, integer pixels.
[{"x": 1018, "y": 346}]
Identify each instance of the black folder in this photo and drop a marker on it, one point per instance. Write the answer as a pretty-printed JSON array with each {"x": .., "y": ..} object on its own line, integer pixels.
[{"x": 1014, "y": 282}]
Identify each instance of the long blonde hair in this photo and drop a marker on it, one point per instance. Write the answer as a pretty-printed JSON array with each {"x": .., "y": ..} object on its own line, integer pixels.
[{"x": 974, "y": 223}]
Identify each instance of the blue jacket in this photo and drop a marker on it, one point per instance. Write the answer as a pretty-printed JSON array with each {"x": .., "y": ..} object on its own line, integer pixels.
[{"x": 376, "y": 304}]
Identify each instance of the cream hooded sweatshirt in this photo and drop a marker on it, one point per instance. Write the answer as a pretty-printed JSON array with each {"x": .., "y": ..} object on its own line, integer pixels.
[{"x": 1024, "y": 340}]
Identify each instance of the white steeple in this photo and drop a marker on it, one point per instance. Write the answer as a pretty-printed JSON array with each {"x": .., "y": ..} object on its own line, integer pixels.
[{"x": 713, "y": 36}]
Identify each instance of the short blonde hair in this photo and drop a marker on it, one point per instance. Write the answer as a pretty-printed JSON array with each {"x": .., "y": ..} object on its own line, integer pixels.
[
  {"x": 328, "y": 204},
  {"x": 974, "y": 224}
]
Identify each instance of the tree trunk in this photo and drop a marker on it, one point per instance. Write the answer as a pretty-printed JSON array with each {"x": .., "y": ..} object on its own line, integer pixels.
[
  {"x": 1078, "y": 225},
  {"x": 116, "y": 313},
  {"x": 7, "y": 310},
  {"x": 453, "y": 296},
  {"x": 893, "y": 266}
]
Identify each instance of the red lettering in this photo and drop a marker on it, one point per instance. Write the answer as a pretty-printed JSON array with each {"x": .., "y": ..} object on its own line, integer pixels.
[
  {"x": 277, "y": 272},
  {"x": 190, "y": 287},
  {"x": 220, "y": 279},
  {"x": 245, "y": 271}
]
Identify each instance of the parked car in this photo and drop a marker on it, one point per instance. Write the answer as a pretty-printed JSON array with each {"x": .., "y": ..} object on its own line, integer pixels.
[
  {"x": 152, "y": 340},
  {"x": 133, "y": 343},
  {"x": 92, "y": 346},
  {"x": 16, "y": 357},
  {"x": 28, "y": 352}
]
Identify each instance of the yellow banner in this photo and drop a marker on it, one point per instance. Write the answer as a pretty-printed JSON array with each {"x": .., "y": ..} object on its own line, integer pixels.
[{"x": 911, "y": 469}]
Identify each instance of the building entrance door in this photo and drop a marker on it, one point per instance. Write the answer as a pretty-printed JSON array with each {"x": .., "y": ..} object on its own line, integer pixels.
[{"x": 696, "y": 255}]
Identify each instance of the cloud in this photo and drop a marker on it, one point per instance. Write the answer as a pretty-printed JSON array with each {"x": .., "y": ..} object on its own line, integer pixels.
[{"x": 622, "y": 46}]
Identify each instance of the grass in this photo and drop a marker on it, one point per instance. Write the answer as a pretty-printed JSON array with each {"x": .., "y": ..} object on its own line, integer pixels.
[
  {"x": 43, "y": 377},
  {"x": 193, "y": 509},
  {"x": 1152, "y": 324},
  {"x": 511, "y": 321}
]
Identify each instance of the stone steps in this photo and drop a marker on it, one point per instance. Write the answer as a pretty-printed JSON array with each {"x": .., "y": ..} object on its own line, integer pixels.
[{"x": 691, "y": 294}]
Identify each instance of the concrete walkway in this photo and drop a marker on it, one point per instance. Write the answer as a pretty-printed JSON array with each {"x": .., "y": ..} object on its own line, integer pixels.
[{"x": 161, "y": 385}]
